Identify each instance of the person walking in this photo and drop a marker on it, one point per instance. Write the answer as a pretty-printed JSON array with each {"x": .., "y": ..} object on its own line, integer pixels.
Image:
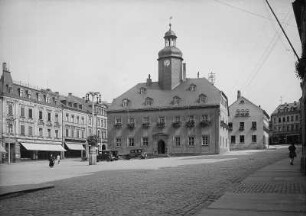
[
  {"x": 292, "y": 153},
  {"x": 58, "y": 158},
  {"x": 51, "y": 161}
]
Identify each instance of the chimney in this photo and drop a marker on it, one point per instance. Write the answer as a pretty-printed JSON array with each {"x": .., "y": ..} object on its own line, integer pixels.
[
  {"x": 184, "y": 72},
  {"x": 149, "y": 81},
  {"x": 238, "y": 94},
  {"x": 4, "y": 68}
]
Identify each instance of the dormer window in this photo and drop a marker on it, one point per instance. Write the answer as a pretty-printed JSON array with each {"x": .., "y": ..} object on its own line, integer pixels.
[
  {"x": 176, "y": 100},
  {"x": 148, "y": 101},
  {"x": 125, "y": 102},
  {"x": 20, "y": 92},
  {"x": 202, "y": 98},
  {"x": 192, "y": 87},
  {"x": 142, "y": 90},
  {"x": 241, "y": 102}
]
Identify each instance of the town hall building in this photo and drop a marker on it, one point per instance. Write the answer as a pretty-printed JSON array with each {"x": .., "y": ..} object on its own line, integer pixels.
[{"x": 174, "y": 116}]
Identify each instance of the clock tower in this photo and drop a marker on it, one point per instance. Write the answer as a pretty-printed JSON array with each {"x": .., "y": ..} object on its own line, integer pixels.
[{"x": 169, "y": 63}]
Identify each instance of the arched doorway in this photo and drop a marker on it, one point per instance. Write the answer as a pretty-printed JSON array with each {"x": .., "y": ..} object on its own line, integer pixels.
[
  {"x": 161, "y": 147},
  {"x": 103, "y": 147}
]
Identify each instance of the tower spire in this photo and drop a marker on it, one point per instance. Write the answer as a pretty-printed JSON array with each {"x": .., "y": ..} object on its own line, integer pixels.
[{"x": 170, "y": 18}]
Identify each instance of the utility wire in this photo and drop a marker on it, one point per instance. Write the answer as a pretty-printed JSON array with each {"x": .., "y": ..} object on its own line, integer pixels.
[
  {"x": 298, "y": 58},
  {"x": 247, "y": 11}
]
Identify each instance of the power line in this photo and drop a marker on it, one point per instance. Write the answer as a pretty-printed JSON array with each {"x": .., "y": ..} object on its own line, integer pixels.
[
  {"x": 283, "y": 31},
  {"x": 247, "y": 11}
]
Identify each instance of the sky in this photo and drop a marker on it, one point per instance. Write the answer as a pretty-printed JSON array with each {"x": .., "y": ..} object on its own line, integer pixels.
[{"x": 75, "y": 46}]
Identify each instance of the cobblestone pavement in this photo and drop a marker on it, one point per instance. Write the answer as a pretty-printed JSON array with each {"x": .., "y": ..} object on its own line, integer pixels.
[{"x": 183, "y": 189}]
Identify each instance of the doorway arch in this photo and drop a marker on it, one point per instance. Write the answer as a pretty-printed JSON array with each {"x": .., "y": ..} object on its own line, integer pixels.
[
  {"x": 161, "y": 147},
  {"x": 103, "y": 147}
]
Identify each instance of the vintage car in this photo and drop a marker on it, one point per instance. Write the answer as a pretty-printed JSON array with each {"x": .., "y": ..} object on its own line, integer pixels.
[
  {"x": 136, "y": 153},
  {"x": 107, "y": 155}
]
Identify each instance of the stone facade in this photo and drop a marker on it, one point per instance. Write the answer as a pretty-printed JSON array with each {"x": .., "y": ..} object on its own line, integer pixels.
[
  {"x": 286, "y": 124},
  {"x": 174, "y": 116},
  {"x": 248, "y": 125},
  {"x": 36, "y": 122}
]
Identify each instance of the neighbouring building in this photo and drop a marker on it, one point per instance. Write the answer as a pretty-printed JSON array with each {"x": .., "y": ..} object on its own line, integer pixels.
[
  {"x": 174, "y": 116},
  {"x": 36, "y": 122},
  {"x": 286, "y": 124},
  {"x": 30, "y": 124},
  {"x": 78, "y": 124},
  {"x": 248, "y": 125},
  {"x": 299, "y": 8}
]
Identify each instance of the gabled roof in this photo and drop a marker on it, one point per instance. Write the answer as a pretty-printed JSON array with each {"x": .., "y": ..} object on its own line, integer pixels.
[
  {"x": 250, "y": 102},
  {"x": 163, "y": 98}
]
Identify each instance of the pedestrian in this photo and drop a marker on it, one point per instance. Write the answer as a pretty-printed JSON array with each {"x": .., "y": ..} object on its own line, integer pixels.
[
  {"x": 51, "y": 161},
  {"x": 292, "y": 153},
  {"x": 58, "y": 159}
]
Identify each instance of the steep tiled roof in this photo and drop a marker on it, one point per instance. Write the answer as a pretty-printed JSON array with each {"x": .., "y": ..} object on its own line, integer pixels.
[
  {"x": 290, "y": 106},
  {"x": 164, "y": 98}
]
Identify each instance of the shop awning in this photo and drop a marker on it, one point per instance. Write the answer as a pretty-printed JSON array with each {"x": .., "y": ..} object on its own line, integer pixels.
[
  {"x": 2, "y": 149},
  {"x": 42, "y": 147},
  {"x": 75, "y": 146}
]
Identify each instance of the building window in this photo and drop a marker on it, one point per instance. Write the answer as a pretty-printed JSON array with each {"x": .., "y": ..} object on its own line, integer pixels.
[
  {"x": 72, "y": 118},
  {"x": 118, "y": 141},
  {"x": 30, "y": 114},
  {"x": 176, "y": 100},
  {"x": 40, "y": 132},
  {"x": 146, "y": 120},
  {"x": 205, "y": 140},
  {"x": 241, "y": 126},
  {"x": 49, "y": 133},
  {"x": 296, "y": 118},
  {"x": 292, "y": 118},
  {"x": 279, "y": 120},
  {"x": 161, "y": 120},
  {"x": 145, "y": 141},
  {"x": 191, "y": 141},
  {"x": 125, "y": 102},
  {"x": 10, "y": 109},
  {"x": 230, "y": 126},
  {"x": 130, "y": 141},
  {"x": 40, "y": 115},
  {"x": 67, "y": 132},
  {"x": 177, "y": 118},
  {"x": 241, "y": 138},
  {"x": 22, "y": 112},
  {"x": 178, "y": 141},
  {"x": 233, "y": 139},
  {"x": 254, "y": 138},
  {"x": 22, "y": 130},
  {"x": 148, "y": 101},
  {"x": 90, "y": 132},
  {"x": 82, "y": 120},
  {"x": 202, "y": 98},
  {"x": 30, "y": 131},
  {"x": 83, "y": 134},
  {"x": 78, "y": 119},
  {"x": 56, "y": 133},
  {"x": 49, "y": 116},
  {"x": 67, "y": 117},
  {"x": 56, "y": 117},
  {"x": 254, "y": 126},
  {"x": 142, "y": 90},
  {"x": 192, "y": 87}
]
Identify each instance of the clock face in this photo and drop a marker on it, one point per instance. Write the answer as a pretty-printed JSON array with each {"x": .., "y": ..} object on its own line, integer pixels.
[{"x": 167, "y": 62}]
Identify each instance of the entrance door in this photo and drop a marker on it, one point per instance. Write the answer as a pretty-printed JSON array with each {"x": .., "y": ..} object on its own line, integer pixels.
[
  {"x": 103, "y": 147},
  {"x": 161, "y": 147}
]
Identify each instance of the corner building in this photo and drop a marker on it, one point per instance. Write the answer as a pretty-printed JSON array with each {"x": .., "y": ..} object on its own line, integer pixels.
[{"x": 174, "y": 116}]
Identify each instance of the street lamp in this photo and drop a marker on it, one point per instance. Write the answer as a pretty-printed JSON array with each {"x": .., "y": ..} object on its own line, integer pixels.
[{"x": 94, "y": 97}]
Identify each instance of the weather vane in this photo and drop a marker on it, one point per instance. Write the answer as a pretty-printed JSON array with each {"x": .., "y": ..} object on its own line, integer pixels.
[{"x": 170, "y": 22}]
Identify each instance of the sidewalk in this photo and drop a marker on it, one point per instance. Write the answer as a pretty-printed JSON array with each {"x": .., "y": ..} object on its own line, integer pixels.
[{"x": 278, "y": 189}]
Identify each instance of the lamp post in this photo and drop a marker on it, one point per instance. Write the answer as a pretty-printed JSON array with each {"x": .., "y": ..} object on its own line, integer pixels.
[{"x": 94, "y": 97}]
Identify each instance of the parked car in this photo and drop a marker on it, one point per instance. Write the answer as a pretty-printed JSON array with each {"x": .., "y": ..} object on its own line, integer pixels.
[
  {"x": 136, "y": 153},
  {"x": 107, "y": 155}
]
